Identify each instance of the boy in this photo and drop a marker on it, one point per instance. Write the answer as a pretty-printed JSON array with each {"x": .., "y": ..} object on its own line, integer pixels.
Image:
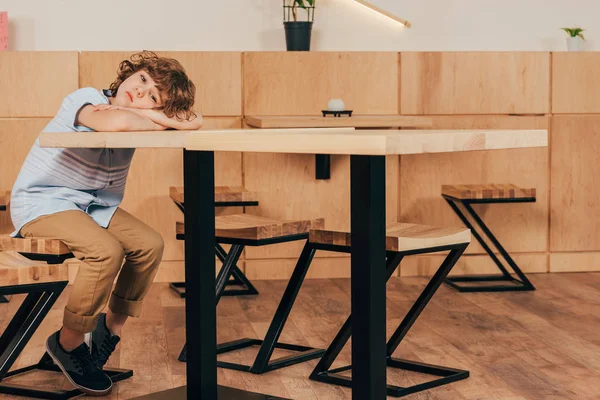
[{"x": 73, "y": 195}]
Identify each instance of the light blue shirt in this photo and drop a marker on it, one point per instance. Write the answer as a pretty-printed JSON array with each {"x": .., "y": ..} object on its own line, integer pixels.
[{"x": 52, "y": 180}]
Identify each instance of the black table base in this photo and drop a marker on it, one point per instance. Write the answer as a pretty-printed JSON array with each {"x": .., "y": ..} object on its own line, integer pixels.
[{"x": 223, "y": 392}]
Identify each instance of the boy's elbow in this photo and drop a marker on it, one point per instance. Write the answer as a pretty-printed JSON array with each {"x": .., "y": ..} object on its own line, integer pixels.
[{"x": 199, "y": 123}]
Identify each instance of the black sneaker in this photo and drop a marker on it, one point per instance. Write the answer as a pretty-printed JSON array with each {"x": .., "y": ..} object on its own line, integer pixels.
[
  {"x": 103, "y": 342},
  {"x": 78, "y": 367}
]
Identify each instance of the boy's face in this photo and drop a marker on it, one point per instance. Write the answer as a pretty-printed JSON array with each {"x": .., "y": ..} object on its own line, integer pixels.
[{"x": 138, "y": 91}]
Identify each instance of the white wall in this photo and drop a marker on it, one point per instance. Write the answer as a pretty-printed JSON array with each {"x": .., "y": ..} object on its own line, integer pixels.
[{"x": 256, "y": 25}]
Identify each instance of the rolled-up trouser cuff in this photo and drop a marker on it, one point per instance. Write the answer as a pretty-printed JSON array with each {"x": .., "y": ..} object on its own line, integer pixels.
[
  {"x": 119, "y": 305},
  {"x": 79, "y": 323}
]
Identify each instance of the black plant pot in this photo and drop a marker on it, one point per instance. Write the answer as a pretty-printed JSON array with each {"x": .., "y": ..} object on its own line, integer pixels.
[{"x": 297, "y": 35}]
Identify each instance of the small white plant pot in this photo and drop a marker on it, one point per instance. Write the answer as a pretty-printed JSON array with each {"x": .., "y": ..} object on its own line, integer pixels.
[{"x": 574, "y": 43}]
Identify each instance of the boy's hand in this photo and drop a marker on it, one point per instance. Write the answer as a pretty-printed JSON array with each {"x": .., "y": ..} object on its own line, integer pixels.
[{"x": 159, "y": 117}]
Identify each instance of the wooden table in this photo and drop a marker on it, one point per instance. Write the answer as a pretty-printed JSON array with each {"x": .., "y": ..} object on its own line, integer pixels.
[
  {"x": 323, "y": 161},
  {"x": 367, "y": 220}
]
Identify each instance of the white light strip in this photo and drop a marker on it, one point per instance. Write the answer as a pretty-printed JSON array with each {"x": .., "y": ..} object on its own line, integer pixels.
[{"x": 383, "y": 12}]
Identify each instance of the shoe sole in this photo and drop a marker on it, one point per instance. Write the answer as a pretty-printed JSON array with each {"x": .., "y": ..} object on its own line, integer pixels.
[{"x": 85, "y": 390}]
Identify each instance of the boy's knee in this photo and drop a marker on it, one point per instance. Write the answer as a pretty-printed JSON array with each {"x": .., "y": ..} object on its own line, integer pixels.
[
  {"x": 113, "y": 253},
  {"x": 109, "y": 255},
  {"x": 153, "y": 247}
]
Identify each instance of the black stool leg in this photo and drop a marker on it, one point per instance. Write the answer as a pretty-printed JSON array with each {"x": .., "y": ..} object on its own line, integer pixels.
[
  {"x": 239, "y": 278},
  {"x": 479, "y": 283},
  {"x": 322, "y": 372},
  {"x": 322, "y": 369},
  {"x": 40, "y": 299},
  {"x": 228, "y": 264},
  {"x": 262, "y": 362}
]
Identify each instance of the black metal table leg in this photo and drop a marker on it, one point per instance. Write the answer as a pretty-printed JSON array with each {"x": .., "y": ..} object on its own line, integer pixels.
[
  {"x": 368, "y": 260},
  {"x": 506, "y": 282},
  {"x": 200, "y": 305}
]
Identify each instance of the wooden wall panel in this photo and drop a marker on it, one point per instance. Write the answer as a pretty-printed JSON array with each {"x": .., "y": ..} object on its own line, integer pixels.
[
  {"x": 302, "y": 83},
  {"x": 475, "y": 83},
  {"x": 217, "y": 76},
  {"x": 519, "y": 227},
  {"x": 153, "y": 171},
  {"x": 34, "y": 84},
  {"x": 16, "y": 134},
  {"x": 575, "y": 82},
  {"x": 575, "y": 213},
  {"x": 575, "y": 262}
]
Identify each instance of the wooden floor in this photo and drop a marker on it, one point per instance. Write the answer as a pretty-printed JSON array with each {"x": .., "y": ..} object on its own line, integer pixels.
[{"x": 536, "y": 345}]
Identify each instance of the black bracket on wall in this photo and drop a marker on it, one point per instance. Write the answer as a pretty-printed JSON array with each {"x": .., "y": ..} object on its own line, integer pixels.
[
  {"x": 322, "y": 166},
  {"x": 323, "y": 161}
]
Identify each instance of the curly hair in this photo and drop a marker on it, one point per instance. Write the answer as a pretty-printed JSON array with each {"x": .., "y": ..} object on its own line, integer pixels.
[{"x": 171, "y": 81}]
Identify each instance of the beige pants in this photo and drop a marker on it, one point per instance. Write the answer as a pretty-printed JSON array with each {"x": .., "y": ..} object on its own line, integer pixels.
[{"x": 102, "y": 252}]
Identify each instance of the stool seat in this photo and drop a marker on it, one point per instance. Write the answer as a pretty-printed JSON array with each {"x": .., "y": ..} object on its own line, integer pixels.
[
  {"x": 487, "y": 191},
  {"x": 4, "y": 199},
  {"x": 16, "y": 269},
  {"x": 53, "y": 247},
  {"x": 400, "y": 237},
  {"x": 253, "y": 227},
  {"x": 223, "y": 194}
]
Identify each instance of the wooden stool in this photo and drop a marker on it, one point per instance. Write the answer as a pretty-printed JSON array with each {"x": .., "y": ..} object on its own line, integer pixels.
[
  {"x": 248, "y": 230},
  {"x": 43, "y": 283},
  {"x": 4, "y": 199},
  {"x": 401, "y": 240},
  {"x": 462, "y": 196},
  {"x": 51, "y": 251},
  {"x": 225, "y": 196}
]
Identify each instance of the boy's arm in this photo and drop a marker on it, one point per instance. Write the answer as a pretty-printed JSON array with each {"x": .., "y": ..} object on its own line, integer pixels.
[
  {"x": 115, "y": 120},
  {"x": 158, "y": 117}
]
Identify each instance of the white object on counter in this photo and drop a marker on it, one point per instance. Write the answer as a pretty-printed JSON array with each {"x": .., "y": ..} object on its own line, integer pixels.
[{"x": 335, "y": 105}]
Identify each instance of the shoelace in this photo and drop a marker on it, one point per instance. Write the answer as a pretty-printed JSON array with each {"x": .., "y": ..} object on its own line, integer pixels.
[
  {"x": 107, "y": 347},
  {"x": 84, "y": 362}
]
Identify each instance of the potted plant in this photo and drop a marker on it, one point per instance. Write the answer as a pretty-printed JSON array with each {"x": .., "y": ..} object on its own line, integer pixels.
[
  {"x": 297, "y": 29},
  {"x": 575, "y": 38}
]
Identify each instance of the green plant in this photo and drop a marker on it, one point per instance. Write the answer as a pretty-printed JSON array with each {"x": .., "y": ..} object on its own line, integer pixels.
[
  {"x": 574, "y": 32},
  {"x": 307, "y": 5}
]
